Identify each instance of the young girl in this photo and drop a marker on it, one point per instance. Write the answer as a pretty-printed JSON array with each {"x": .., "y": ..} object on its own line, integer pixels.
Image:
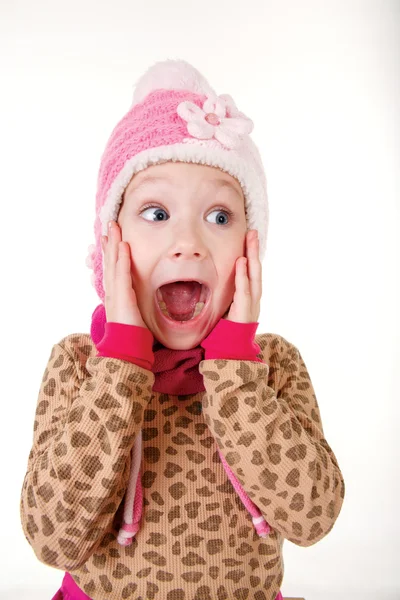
[{"x": 174, "y": 450}]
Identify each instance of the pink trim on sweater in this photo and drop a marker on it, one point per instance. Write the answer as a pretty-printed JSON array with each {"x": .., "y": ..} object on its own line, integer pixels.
[
  {"x": 127, "y": 342},
  {"x": 70, "y": 591},
  {"x": 232, "y": 340},
  {"x": 228, "y": 340}
]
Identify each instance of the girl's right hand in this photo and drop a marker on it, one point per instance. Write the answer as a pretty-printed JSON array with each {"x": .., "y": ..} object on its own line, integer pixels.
[{"x": 120, "y": 297}]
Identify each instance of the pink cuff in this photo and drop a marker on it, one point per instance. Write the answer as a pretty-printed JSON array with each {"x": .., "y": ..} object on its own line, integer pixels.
[
  {"x": 232, "y": 340},
  {"x": 127, "y": 342}
]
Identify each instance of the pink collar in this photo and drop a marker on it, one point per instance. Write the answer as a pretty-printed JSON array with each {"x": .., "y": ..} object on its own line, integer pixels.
[{"x": 176, "y": 371}]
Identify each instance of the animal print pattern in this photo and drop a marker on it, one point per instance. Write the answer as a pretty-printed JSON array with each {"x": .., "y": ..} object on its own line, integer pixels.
[
  {"x": 197, "y": 541},
  {"x": 293, "y": 474}
]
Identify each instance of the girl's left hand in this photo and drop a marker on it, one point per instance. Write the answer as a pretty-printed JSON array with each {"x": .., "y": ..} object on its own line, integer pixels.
[{"x": 245, "y": 307}]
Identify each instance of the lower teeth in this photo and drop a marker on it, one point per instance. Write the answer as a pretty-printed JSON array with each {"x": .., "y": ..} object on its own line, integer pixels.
[{"x": 198, "y": 308}]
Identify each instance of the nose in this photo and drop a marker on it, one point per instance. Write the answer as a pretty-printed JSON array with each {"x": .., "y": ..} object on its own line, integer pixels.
[{"x": 188, "y": 243}]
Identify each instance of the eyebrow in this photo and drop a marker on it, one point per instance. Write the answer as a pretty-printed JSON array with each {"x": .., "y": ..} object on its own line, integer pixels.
[{"x": 151, "y": 179}]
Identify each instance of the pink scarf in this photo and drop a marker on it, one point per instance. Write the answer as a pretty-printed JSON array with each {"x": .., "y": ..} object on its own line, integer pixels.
[{"x": 176, "y": 372}]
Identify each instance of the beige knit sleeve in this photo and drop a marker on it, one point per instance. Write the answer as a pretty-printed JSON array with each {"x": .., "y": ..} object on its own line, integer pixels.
[
  {"x": 78, "y": 468},
  {"x": 268, "y": 427}
]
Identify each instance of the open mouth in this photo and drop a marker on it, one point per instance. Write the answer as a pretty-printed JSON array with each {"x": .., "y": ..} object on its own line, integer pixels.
[{"x": 182, "y": 300}]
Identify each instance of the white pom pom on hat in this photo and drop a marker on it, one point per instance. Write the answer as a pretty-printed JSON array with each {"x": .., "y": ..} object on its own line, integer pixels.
[{"x": 171, "y": 75}]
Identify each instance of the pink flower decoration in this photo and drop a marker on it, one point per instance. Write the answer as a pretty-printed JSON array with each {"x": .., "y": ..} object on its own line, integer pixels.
[{"x": 219, "y": 118}]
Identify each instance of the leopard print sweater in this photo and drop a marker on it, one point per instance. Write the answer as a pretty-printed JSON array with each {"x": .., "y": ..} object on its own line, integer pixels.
[{"x": 197, "y": 540}]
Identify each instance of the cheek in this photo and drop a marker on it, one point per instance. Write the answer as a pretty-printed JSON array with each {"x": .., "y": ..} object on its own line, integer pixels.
[
  {"x": 229, "y": 271},
  {"x": 226, "y": 278},
  {"x": 228, "y": 258},
  {"x": 139, "y": 262}
]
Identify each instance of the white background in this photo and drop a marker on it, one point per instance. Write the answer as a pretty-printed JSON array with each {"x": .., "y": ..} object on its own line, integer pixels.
[{"x": 321, "y": 82}]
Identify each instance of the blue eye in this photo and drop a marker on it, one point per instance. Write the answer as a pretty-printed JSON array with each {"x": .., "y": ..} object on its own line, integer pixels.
[
  {"x": 158, "y": 213},
  {"x": 219, "y": 211}
]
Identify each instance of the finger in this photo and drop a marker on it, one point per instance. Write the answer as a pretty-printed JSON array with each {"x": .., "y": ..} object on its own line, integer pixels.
[
  {"x": 244, "y": 279},
  {"x": 106, "y": 274},
  {"x": 123, "y": 267},
  {"x": 112, "y": 252},
  {"x": 242, "y": 297},
  {"x": 115, "y": 238},
  {"x": 109, "y": 261},
  {"x": 254, "y": 268}
]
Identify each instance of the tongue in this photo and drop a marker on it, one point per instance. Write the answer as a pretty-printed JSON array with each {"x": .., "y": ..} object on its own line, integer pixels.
[{"x": 181, "y": 297}]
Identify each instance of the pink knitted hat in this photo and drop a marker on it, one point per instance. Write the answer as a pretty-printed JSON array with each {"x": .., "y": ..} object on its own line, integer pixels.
[{"x": 176, "y": 116}]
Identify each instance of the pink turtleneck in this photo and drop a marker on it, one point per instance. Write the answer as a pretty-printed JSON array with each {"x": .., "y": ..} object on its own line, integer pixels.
[{"x": 228, "y": 340}]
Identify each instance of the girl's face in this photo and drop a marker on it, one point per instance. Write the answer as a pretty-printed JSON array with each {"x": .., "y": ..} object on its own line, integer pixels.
[{"x": 195, "y": 230}]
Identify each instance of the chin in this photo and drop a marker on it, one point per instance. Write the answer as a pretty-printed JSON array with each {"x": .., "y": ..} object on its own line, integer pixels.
[
  {"x": 177, "y": 342},
  {"x": 180, "y": 345}
]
